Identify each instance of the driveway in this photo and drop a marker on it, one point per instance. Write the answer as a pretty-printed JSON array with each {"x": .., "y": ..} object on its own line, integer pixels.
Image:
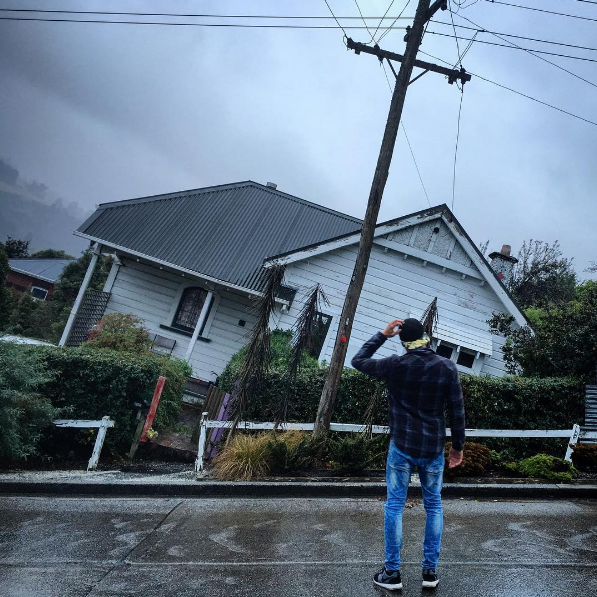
[{"x": 67, "y": 547}]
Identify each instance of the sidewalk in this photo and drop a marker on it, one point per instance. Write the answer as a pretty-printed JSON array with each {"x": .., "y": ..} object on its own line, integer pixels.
[{"x": 181, "y": 482}]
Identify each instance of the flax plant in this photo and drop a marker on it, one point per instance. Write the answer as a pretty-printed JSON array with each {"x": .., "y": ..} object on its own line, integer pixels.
[
  {"x": 302, "y": 341},
  {"x": 429, "y": 319},
  {"x": 258, "y": 354}
]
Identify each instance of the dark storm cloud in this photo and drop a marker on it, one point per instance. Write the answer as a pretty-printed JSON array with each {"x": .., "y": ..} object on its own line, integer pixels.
[{"x": 102, "y": 112}]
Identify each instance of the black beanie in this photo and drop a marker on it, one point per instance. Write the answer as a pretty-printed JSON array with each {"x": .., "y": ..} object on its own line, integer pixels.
[{"x": 412, "y": 329}]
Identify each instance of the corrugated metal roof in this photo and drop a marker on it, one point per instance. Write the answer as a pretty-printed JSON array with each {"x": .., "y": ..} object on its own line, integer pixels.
[
  {"x": 223, "y": 232},
  {"x": 44, "y": 269}
]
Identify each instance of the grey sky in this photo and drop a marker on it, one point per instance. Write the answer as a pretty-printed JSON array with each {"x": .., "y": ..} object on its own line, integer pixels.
[{"x": 107, "y": 112}]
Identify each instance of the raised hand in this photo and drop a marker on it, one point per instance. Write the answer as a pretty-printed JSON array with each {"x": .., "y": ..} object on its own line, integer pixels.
[{"x": 393, "y": 328}]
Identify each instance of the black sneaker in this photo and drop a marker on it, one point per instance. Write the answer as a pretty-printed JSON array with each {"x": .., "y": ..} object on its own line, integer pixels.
[
  {"x": 430, "y": 580},
  {"x": 388, "y": 580}
]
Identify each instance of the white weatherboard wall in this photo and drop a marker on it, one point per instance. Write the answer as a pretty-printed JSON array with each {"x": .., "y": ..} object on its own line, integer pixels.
[
  {"x": 399, "y": 287},
  {"x": 152, "y": 294}
]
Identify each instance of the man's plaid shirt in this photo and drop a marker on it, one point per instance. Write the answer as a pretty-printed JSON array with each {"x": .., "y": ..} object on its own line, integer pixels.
[{"x": 421, "y": 385}]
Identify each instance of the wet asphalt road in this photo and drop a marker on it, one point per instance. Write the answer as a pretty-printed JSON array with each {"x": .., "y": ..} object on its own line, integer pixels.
[{"x": 67, "y": 547}]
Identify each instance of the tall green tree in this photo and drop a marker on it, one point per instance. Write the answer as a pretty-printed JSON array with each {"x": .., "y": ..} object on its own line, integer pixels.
[
  {"x": 5, "y": 298},
  {"x": 50, "y": 254},
  {"x": 15, "y": 248},
  {"x": 562, "y": 342},
  {"x": 543, "y": 276}
]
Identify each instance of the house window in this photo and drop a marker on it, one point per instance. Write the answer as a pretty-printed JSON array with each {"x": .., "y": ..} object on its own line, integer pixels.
[
  {"x": 466, "y": 359},
  {"x": 189, "y": 309},
  {"x": 444, "y": 350},
  {"x": 39, "y": 293},
  {"x": 320, "y": 331}
]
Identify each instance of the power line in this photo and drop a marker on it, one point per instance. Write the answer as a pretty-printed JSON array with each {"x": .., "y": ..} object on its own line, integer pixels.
[
  {"x": 533, "y": 54},
  {"x": 551, "y": 12},
  {"x": 194, "y": 15},
  {"x": 285, "y": 26},
  {"x": 543, "y": 41},
  {"x": 456, "y": 148},
  {"x": 364, "y": 22},
  {"x": 335, "y": 19},
  {"x": 393, "y": 22},
  {"x": 517, "y": 92},
  {"x": 455, "y": 35},
  {"x": 512, "y": 47},
  {"x": 184, "y": 24},
  {"x": 382, "y": 18},
  {"x": 290, "y": 17},
  {"x": 412, "y": 153}
]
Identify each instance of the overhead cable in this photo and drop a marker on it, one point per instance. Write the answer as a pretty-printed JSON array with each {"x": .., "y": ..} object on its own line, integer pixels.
[
  {"x": 412, "y": 153},
  {"x": 551, "y": 12},
  {"x": 532, "y": 53},
  {"x": 518, "y": 92}
]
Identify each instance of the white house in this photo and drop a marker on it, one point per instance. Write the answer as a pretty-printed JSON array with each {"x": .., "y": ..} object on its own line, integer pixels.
[{"x": 189, "y": 265}]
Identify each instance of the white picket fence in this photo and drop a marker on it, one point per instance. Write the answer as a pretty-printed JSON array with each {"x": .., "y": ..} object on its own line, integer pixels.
[
  {"x": 102, "y": 427},
  {"x": 573, "y": 434}
]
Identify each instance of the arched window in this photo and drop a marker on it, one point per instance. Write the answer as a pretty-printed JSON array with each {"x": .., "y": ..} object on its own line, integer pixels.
[{"x": 189, "y": 309}]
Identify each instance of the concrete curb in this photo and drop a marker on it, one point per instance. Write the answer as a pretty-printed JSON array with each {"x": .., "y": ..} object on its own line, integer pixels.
[{"x": 286, "y": 489}]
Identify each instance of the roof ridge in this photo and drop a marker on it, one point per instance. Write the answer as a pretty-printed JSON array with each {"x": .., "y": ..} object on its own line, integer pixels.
[
  {"x": 175, "y": 194},
  {"x": 222, "y": 187},
  {"x": 306, "y": 202}
]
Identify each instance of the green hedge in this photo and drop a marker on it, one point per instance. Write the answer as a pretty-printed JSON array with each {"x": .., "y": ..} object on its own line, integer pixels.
[
  {"x": 490, "y": 402},
  {"x": 87, "y": 383},
  {"x": 24, "y": 414}
]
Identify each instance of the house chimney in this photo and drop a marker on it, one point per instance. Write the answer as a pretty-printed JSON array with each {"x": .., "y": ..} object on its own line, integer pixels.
[
  {"x": 503, "y": 264},
  {"x": 272, "y": 185}
]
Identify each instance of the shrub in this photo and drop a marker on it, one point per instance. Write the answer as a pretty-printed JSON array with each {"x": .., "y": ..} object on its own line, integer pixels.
[
  {"x": 546, "y": 467},
  {"x": 353, "y": 453},
  {"x": 89, "y": 384},
  {"x": 176, "y": 372},
  {"x": 244, "y": 458},
  {"x": 584, "y": 457},
  {"x": 477, "y": 460},
  {"x": 120, "y": 331},
  {"x": 281, "y": 350},
  {"x": 124, "y": 332},
  {"x": 23, "y": 412},
  {"x": 490, "y": 403},
  {"x": 294, "y": 451}
]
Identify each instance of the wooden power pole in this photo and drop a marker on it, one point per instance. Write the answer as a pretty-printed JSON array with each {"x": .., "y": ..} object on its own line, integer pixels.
[{"x": 408, "y": 61}]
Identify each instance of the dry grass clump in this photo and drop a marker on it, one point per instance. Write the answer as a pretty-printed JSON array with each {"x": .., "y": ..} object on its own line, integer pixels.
[
  {"x": 291, "y": 438},
  {"x": 244, "y": 458}
]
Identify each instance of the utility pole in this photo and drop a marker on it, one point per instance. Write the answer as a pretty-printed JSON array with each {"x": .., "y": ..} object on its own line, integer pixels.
[{"x": 408, "y": 61}]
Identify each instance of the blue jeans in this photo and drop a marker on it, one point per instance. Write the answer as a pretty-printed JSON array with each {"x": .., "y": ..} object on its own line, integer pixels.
[{"x": 398, "y": 471}]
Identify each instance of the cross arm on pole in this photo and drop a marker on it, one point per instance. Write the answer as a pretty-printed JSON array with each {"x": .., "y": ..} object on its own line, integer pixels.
[{"x": 453, "y": 75}]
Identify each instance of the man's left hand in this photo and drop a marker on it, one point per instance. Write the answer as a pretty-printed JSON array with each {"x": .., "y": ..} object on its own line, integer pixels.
[{"x": 454, "y": 458}]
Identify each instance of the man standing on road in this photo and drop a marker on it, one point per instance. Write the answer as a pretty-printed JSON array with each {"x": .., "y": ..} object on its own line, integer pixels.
[{"x": 421, "y": 384}]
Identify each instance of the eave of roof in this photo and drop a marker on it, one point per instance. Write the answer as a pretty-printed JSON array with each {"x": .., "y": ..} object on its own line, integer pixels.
[{"x": 441, "y": 211}]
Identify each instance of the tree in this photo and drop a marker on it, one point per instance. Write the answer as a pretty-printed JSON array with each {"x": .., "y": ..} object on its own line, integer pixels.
[
  {"x": 542, "y": 276},
  {"x": 592, "y": 268},
  {"x": 15, "y": 248},
  {"x": 562, "y": 342},
  {"x": 51, "y": 254},
  {"x": 120, "y": 331},
  {"x": 5, "y": 299}
]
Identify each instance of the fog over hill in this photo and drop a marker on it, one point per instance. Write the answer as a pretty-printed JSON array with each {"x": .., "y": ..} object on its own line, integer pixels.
[{"x": 29, "y": 211}]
